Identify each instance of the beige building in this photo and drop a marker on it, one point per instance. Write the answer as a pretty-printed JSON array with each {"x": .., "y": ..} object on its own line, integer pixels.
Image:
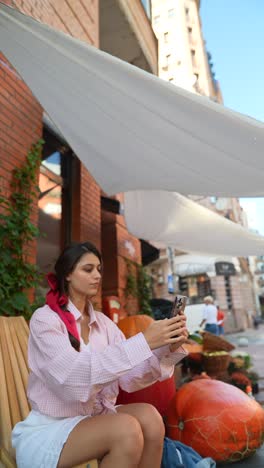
[
  {"x": 183, "y": 59},
  {"x": 185, "y": 62}
]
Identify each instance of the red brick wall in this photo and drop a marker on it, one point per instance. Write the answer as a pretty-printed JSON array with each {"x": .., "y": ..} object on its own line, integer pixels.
[
  {"x": 21, "y": 114},
  {"x": 79, "y": 18},
  {"x": 128, "y": 247},
  {"x": 20, "y": 120},
  {"x": 20, "y": 127},
  {"x": 90, "y": 209},
  {"x": 118, "y": 244}
]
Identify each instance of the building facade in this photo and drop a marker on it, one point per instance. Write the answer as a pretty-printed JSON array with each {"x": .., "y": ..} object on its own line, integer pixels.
[
  {"x": 72, "y": 206},
  {"x": 185, "y": 62},
  {"x": 183, "y": 58}
]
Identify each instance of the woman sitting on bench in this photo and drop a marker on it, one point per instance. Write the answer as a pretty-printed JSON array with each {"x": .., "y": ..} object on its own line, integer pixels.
[{"x": 78, "y": 358}]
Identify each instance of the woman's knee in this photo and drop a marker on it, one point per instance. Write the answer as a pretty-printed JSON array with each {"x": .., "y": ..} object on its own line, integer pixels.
[
  {"x": 152, "y": 423},
  {"x": 130, "y": 437}
]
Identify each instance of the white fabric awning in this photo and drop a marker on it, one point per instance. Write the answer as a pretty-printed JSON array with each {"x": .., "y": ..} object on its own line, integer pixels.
[
  {"x": 187, "y": 265},
  {"x": 174, "y": 220},
  {"x": 131, "y": 129}
]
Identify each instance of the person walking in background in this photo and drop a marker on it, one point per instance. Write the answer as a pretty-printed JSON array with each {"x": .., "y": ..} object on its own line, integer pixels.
[
  {"x": 210, "y": 316},
  {"x": 220, "y": 321}
]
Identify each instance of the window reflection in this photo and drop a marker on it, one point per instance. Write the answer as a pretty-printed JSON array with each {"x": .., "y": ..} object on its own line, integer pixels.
[
  {"x": 53, "y": 162},
  {"x": 50, "y": 212},
  {"x": 55, "y": 201}
]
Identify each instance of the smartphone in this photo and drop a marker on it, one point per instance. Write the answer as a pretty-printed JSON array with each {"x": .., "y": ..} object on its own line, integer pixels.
[{"x": 178, "y": 305}]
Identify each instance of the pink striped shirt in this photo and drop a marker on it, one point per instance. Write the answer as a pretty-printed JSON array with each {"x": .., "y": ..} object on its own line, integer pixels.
[{"x": 65, "y": 383}]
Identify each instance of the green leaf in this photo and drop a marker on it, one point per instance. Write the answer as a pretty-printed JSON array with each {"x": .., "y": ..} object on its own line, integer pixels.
[{"x": 16, "y": 233}]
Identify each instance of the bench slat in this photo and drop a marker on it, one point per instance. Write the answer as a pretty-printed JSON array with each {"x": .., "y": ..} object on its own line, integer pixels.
[
  {"x": 23, "y": 408},
  {"x": 14, "y": 405}
]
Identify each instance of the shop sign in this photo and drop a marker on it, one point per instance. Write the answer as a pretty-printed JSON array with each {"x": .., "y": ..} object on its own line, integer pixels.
[
  {"x": 225, "y": 268},
  {"x": 170, "y": 284}
]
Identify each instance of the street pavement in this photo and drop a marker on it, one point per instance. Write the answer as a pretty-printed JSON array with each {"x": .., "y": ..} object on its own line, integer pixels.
[{"x": 255, "y": 349}]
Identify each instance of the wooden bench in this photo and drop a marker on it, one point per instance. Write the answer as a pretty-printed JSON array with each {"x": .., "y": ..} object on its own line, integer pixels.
[{"x": 14, "y": 371}]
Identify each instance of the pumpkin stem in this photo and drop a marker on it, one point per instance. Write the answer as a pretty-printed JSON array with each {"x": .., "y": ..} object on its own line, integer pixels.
[{"x": 181, "y": 425}]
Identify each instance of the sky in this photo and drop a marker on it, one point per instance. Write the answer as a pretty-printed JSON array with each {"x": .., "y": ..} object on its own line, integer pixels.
[{"x": 234, "y": 35}]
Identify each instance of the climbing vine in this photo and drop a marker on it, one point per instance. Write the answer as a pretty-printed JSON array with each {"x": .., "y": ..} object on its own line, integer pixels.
[
  {"x": 17, "y": 231},
  {"x": 138, "y": 285}
]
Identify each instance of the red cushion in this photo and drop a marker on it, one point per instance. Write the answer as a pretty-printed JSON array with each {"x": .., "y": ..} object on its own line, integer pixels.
[{"x": 159, "y": 395}]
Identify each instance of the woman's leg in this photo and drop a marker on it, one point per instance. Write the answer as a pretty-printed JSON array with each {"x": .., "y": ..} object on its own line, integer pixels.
[
  {"x": 115, "y": 439},
  {"x": 153, "y": 432}
]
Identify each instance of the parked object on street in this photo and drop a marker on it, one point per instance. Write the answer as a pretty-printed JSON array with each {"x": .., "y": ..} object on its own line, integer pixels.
[
  {"x": 242, "y": 341},
  {"x": 216, "y": 419},
  {"x": 161, "y": 308},
  {"x": 257, "y": 320}
]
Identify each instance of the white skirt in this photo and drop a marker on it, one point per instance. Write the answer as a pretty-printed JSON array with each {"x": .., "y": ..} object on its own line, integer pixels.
[{"x": 39, "y": 439}]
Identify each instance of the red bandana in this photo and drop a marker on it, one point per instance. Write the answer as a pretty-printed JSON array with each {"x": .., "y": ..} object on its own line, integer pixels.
[{"x": 55, "y": 302}]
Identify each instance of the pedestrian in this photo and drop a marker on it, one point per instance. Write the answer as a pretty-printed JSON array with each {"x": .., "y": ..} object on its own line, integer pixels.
[
  {"x": 210, "y": 316},
  {"x": 78, "y": 358},
  {"x": 220, "y": 320}
]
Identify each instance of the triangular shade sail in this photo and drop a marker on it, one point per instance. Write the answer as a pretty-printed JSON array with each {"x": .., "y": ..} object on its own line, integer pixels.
[
  {"x": 131, "y": 129},
  {"x": 173, "y": 220}
]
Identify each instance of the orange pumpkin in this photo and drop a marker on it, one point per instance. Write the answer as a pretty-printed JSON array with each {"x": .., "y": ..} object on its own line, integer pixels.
[
  {"x": 134, "y": 324},
  {"x": 216, "y": 419},
  {"x": 194, "y": 351},
  {"x": 193, "y": 348}
]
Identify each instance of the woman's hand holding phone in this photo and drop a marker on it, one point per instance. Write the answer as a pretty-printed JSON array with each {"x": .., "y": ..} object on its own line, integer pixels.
[
  {"x": 183, "y": 337},
  {"x": 171, "y": 332}
]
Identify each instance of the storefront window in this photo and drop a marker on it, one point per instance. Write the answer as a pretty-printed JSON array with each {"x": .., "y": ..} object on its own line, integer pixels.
[
  {"x": 54, "y": 206},
  {"x": 196, "y": 287},
  {"x": 50, "y": 213}
]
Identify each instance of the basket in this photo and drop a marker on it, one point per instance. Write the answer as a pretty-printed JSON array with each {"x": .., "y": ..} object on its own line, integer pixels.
[
  {"x": 216, "y": 365},
  {"x": 213, "y": 342}
]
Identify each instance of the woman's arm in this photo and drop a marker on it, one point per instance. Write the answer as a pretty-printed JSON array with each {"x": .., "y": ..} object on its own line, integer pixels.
[
  {"x": 76, "y": 376},
  {"x": 160, "y": 366}
]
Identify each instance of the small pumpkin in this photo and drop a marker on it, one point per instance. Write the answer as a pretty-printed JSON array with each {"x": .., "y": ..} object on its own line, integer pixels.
[
  {"x": 193, "y": 348},
  {"x": 216, "y": 419},
  {"x": 194, "y": 351},
  {"x": 134, "y": 324}
]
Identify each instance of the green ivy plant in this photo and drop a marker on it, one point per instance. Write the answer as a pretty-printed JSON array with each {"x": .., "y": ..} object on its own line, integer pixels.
[
  {"x": 17, "y": 232},
  {"x": 131, "y": 288},
  {"x": 144, "y": 290},
  {"x": 138, "y": 284}
]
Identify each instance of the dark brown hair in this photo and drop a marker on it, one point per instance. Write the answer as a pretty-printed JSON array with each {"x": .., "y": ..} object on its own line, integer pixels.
[{"x": 66, "y": 263}]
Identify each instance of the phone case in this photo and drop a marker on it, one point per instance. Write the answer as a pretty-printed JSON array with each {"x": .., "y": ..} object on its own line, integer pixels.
[{"x": 178, "y": 305}]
